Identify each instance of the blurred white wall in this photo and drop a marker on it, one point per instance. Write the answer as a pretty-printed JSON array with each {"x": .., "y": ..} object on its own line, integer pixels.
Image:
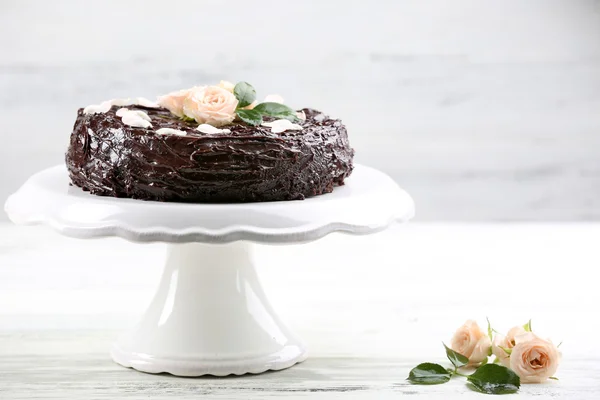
[{"x": 483, "y": 110}]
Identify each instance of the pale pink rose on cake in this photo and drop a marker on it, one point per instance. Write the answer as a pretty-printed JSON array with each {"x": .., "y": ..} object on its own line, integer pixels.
[
  {"x": 174, "y": 100},
  {"x": 211, "y": 105},
  {"x": 227, "y": 86}
]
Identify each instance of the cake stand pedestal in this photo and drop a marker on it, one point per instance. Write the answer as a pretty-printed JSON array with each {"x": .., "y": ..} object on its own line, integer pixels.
[{"x": 210, "y": 314}]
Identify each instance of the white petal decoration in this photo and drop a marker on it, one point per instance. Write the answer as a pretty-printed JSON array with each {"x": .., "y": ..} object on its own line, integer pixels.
[
  {"x": 142, "y": 101},
  {"x": 98, "y": 108},
  {"x": 170, "y": 131},
  {"x": 141, "y": 114},
  {"x": 209, "y": 129},
  {"x": 106, "y": 105},
  {"x": 121, "y": 111},
  {"x": 282, "y": 125},
  {"x": 136, "y": 118},
  {"x": 273, "y": 98},
  {"x": 132, "y": 119},
  {"x": 121, "y": 102},
  {"x": 301, "y": 115}
]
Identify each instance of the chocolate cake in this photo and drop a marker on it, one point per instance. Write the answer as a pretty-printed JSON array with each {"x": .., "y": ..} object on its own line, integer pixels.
[{"x": 168, "y": 158}]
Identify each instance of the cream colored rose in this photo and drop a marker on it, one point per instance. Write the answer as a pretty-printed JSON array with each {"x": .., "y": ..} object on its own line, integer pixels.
[
  {"x": 227, "y": 86},
  {"x": 211, "y": 105},
  {"x": 174, "y": 100},
  {"x": 470, "y": 341},
  {"x": 506, "y": 342},
  {"x": 534, "y": 359}
]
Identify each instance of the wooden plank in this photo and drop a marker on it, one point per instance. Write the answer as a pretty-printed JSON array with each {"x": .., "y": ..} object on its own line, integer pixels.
[{"x": 50, "y": 372}]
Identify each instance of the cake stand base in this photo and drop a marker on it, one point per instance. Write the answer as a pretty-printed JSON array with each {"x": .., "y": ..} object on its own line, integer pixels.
[{"x": 209, "y": 316}]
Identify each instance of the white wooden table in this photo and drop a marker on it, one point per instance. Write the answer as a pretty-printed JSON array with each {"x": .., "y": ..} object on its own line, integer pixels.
[{"x": 370, "y": 309}]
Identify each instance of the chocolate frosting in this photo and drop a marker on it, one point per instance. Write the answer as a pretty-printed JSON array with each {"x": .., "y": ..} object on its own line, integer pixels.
[{"x": 109, "y": 158}]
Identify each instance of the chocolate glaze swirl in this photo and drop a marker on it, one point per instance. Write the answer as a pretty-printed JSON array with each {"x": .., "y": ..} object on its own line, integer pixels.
[{"x": 108, "y": 158}]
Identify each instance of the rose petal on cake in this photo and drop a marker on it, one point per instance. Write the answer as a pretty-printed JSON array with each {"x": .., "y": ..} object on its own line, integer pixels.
[
  {"x": 138, "y": 101},
  {"x": 121, "y": 111},
  {"x": 273, "y": 98},
  {"x": 122, "y": 102},
  {"x": 227, "y": 86},
  {"x": 142, "y": 101},
  {"x": 106, "y": 105},
  {"x": 98, "y": 108},
  {"x": 282, "y": 125},
  {"x": 134, "y": 118},
  {"x": 141, "y": 114},
  {"x": 170, "y": 131},
  {"x": 135, "y": 121},
  {"x": 209, "y": 129},
  {"x": 301, "y": 115}
]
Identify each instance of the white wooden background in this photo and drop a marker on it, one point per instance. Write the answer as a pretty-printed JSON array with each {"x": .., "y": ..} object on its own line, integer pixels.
[
  {"x": 370, "y": 308},
  {"x": 482, "y": 109}
]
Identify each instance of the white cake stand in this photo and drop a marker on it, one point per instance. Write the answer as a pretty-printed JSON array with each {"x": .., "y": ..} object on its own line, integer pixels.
[{"x": 210, "y": 314}]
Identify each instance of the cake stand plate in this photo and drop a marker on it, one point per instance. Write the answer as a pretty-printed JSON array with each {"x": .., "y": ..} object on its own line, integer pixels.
[{"x": 210, "y": 314}]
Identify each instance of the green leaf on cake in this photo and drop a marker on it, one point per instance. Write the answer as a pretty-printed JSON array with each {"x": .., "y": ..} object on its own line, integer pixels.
[
  {"x": 494, "y": 379},
  {"x": 250, "y": 117},
  {"x": 245, "y": 94},
  {"x": 428, "y": 374},
  {"x": 276, "y": 110},
  {"x": 457, "y": 359}
]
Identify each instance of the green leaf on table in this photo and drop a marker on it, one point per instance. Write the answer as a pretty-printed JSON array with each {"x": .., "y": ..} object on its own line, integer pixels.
[
  {"x": 494, "y": 379},
  {"x": 457, "y": 359},
  {"x": 245, "y": 93},
  {"x": 527, "y": 326},
  {"x": 277, "y": 110},
  {"x": 250, "y": 117},
  {"x": 428, "y": 374},
  {"x": 553, "y": 378}
]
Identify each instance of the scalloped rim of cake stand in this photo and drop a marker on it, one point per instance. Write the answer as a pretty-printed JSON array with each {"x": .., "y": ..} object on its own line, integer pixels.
[{"x": 369, "y": 202}]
